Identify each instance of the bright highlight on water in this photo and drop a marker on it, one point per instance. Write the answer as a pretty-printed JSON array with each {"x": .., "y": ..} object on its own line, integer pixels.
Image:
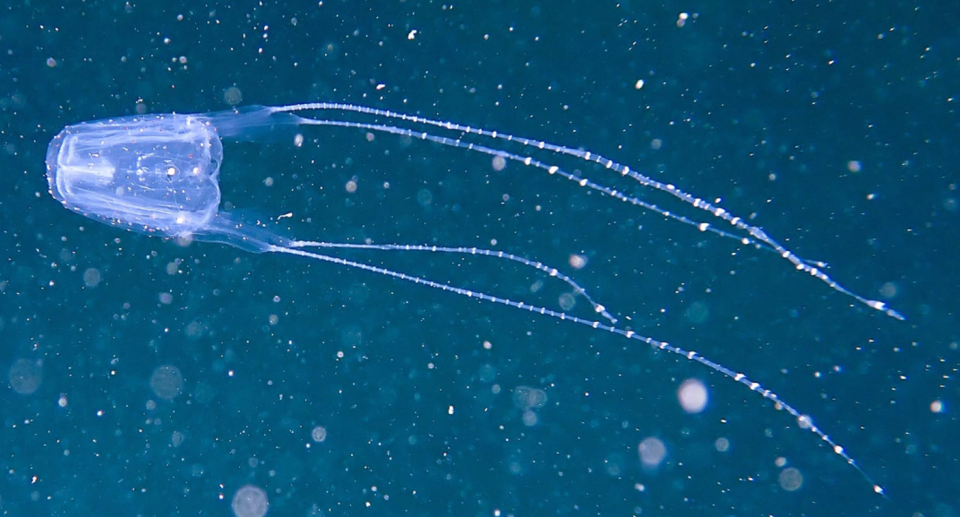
[{"x": 158, "y": 174}]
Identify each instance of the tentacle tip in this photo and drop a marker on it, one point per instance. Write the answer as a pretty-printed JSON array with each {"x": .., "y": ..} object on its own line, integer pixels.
[
  {"x": 601, "y": 310},
  {"x": 881, "y": 306}
]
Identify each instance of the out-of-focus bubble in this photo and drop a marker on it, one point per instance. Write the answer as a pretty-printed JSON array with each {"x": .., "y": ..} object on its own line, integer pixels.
[
  {"x": 91, "y": 277},
  {"x": 166, "y": 382},
  {"x": 319, "y": 434},
  {"x": 652, "y": 453},
  {"x": 693, "y": 396},
  {"x": 250, "y": 501},
  {"x": 233, "y": 96},
  {"x": 790, "y": 479},
  {"x": 25, "y": 376},
  {"x": 525, "y": 397}
]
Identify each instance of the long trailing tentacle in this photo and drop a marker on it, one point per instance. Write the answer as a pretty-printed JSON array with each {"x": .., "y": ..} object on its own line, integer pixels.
[{"x": 752, "y": 233}]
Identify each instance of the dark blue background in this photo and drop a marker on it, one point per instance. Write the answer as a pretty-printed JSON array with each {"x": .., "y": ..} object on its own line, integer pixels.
[{"x": 762, "y": 104}]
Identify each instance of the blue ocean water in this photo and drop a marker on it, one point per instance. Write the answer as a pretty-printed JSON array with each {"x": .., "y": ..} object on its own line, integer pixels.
[{"x": 149, "y": 377}]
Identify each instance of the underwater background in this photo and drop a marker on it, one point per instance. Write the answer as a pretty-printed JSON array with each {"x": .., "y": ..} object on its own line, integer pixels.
[{"x": 144, "y": 376}]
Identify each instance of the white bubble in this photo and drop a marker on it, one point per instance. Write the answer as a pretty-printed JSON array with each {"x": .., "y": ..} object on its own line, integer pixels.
[
  {"x": 937, "y": 406},
  {"x": 652, "y": 453},
  {"x": 499, "y": 163},
  {"x": 693, "y": 396},
  {"x": 250, "y": 501},
  {"x": 577, "y": 261}
]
